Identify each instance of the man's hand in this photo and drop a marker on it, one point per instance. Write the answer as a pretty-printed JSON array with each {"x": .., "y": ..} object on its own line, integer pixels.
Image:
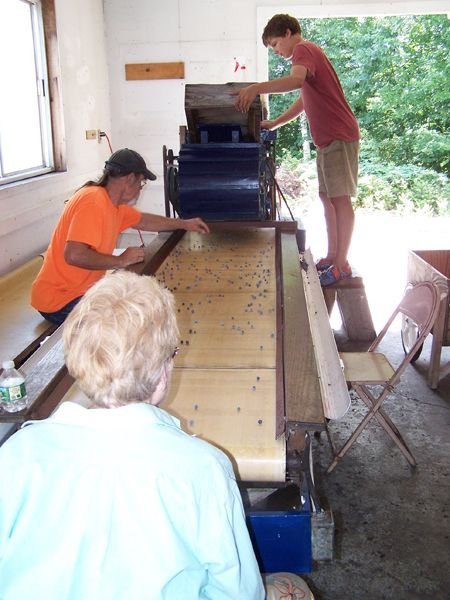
[
  {"x": 245, "y": 98},
  {"x": 131, "y": 256},
  {"x": 196, "y": 224}
]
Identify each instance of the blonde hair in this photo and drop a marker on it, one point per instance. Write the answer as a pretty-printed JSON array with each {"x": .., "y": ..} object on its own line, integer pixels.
[{"x": 119, "y": 337}]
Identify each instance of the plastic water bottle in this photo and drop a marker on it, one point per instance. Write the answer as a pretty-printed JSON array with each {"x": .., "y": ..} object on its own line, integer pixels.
[{"x": 13, "y": 395}]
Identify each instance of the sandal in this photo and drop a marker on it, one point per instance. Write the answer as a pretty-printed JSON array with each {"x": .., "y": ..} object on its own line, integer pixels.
[
  {"x": 333, "y": 274},
  {"x": 323, "y": 264}
]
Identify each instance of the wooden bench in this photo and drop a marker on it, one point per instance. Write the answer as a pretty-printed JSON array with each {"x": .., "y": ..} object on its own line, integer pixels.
[
  {"x": 20, "y": 324},
  {"x": 350, "y": 295}
]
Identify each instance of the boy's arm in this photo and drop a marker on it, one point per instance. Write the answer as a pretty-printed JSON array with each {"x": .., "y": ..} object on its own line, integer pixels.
[
  {"x": 289, "y": 83},
  {"x": 290, "y": 114}
]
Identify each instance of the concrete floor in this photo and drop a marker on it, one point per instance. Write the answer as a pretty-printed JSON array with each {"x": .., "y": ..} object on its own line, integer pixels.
[{"x": 392, "y": 523}]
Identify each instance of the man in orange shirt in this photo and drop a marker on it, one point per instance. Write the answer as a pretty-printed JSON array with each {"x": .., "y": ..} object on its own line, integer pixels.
[{"x": 82, "y": 245}]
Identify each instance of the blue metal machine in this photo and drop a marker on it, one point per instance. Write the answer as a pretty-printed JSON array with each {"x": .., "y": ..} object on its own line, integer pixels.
[
  {"x": 224, "y": 170},
  {"x": 220, "y": 181}
]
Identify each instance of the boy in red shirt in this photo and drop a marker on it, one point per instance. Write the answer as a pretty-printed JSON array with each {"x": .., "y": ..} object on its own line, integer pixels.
[{"x": 334, "y": 130}]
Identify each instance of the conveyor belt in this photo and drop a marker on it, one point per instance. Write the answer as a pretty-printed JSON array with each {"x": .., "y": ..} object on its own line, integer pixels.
[{"x": 224, "y": 385}]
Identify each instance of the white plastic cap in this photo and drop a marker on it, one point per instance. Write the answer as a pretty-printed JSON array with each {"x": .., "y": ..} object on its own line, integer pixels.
[{"x": 8, "y": 364}]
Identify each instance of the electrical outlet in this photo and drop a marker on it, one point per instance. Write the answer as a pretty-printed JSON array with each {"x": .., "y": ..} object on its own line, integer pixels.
[
  {"x": 99, "y": 136},
  {"x": 91, "y": 134}
]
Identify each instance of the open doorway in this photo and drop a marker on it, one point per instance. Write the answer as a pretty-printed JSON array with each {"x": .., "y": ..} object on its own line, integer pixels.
[{"x": 393, "y": 70}]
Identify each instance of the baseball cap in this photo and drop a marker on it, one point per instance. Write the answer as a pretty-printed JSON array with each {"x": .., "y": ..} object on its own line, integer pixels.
[{"x": 127, "y": 161}]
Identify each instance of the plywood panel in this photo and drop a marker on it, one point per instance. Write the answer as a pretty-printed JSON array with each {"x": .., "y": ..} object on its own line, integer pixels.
[
  {"x": 224, "y": 285},
  {"x": 224, "y": 383},
  {"x": 235, "y": 410},
  {"x": 207, "y": 104},
  {"x": 334, "y": 392},
  {"x": 438, "y": 259},
  {"x": 303, "y": 399},
  {"x": 20, "y": 323},
  {"x": 434, "y": 266},
  {"x": 226, "y": 330},
  {"x": 230, "y": 261},
  {"x": 142, "y": 71}
]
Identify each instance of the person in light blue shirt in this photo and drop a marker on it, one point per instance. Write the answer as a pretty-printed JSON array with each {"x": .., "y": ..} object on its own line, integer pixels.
[{"x": 115, "y": 501}]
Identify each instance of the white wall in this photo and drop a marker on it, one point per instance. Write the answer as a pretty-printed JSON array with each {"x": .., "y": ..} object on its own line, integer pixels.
[{"x": 29, "y": 210}]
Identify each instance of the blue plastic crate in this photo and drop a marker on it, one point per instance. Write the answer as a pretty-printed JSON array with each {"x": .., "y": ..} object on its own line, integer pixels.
[{"x": 281, "y": 540}]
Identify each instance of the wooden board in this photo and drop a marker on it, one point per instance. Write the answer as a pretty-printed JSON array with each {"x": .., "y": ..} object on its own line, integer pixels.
[
  {"x": 142, "y": 71},
  {"x": 434, "y": 266},
  {"x": 20, "y": 323},
  {"x": 246, "y": 347},
  {"x": 47, "y": 381},
  {"x": 240, "y": 329},
  {"x": 355, "y": 314},
  {"x": 334, "y": 391},
  {"x": 303, "y": 399},
  {"x": 438, "y": 259},
  {"x": 207, "y": 104}
]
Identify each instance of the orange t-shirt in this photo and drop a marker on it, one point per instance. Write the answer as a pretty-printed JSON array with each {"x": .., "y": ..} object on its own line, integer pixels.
[{"x": 91, "y": 218}]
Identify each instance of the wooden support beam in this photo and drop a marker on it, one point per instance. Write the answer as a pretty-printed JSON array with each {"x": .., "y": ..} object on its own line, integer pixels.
[
  {"x": 143, "y": 71},
  {"x": 353, "y": 306}
]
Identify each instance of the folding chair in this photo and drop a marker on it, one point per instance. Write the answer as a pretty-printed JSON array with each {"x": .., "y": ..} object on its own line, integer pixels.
[{"x": 364, "y": 370}]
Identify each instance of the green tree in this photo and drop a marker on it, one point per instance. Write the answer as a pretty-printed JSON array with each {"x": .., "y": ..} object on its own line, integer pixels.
[{"x": 395, "y": 73}]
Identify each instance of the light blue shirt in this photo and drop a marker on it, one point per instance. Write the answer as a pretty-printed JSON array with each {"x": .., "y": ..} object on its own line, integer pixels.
[{"x": 120, "y": 504}]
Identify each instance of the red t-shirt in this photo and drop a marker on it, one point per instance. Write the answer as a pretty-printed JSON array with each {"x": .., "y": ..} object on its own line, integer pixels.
[
  {"x": 89, "y": 217},
  {"x": 329, "y": 115}
]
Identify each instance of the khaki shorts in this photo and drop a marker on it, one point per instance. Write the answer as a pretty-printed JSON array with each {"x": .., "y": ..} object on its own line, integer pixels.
[{"x": 337, "y": 168}]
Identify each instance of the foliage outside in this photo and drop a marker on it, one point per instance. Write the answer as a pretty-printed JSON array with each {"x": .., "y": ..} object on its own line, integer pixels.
[{"x": 395, "y": 73}]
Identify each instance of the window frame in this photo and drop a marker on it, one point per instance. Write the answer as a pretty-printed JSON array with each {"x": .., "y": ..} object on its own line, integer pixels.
[{"x": 43, "y": 18}]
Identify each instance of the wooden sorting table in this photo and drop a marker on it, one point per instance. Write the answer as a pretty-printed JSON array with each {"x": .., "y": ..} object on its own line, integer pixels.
[
  {"x": 233, "y": 383},
  {"x": 246, "y": 378}
]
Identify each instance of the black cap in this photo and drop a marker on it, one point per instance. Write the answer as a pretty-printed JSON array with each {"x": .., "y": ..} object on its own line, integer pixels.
[{"x": 127, "y": 161}]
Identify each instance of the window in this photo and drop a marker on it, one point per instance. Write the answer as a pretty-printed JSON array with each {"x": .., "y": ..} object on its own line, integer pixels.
[{"x": 26, "y": 142}]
